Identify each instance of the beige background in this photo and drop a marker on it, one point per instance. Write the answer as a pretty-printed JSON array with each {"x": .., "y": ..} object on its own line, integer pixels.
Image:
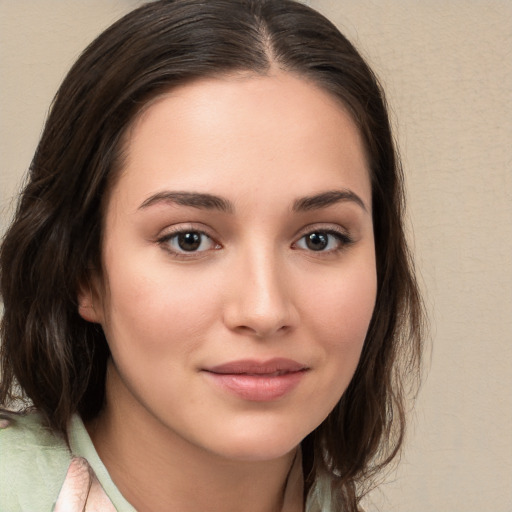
[{"x": 447, "y": 67}]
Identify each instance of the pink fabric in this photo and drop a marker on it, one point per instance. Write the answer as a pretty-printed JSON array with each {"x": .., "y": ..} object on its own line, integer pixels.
[{"x": 82, "y": 491}]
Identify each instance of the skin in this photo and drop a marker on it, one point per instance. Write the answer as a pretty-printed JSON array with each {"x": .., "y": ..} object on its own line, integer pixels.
[{"x": 253, "y": 289}]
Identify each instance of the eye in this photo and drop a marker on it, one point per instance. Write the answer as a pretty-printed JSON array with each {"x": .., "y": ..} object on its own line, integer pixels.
[
  {"x": 323, "y": 241},
  {"x": 189, "y": 241}
]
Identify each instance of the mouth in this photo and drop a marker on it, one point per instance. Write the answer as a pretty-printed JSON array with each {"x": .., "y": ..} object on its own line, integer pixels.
[
  {"x": 258, "y": 381},
  {"x": 273, "y": 367}
]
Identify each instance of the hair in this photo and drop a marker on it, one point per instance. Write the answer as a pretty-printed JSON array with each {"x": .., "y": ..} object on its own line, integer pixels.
[{"x": 57, "y": 359}]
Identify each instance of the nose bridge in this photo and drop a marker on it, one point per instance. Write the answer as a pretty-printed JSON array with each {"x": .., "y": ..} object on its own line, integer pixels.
[{"x": 262, "y": 304}]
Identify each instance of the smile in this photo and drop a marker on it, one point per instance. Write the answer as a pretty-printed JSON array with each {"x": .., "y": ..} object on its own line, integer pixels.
[{"x": 257, "y": 381}]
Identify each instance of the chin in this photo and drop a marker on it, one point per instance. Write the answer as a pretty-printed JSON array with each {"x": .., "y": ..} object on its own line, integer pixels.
[
  {"x": 259, "y": 443},
  {"x": 257, "y": 452}
]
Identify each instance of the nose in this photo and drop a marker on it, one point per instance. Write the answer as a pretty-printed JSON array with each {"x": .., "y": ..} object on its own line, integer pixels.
[{"x": 261, "y": 304}]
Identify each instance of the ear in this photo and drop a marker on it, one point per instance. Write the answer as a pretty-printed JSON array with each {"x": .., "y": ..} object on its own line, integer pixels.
[{"x": 89, "y": 303}]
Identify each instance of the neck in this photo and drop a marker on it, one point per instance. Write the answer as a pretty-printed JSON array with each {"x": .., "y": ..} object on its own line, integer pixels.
[{"x": 157, "y": 470}]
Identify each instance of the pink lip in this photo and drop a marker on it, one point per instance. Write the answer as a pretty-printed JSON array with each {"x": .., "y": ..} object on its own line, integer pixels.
[{"x": 258, "y": 381}]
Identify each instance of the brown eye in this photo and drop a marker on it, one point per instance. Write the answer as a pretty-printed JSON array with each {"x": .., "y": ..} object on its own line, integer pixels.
[
  {"x": 182, "y": 242},
  {"x": 323, "y": 241},
  {"x": 189, "y": 241},
  {"x": 317, "y": 241}
]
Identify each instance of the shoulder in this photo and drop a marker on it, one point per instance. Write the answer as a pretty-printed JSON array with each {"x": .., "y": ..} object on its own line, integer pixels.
[{"x": 33, "y": 463}]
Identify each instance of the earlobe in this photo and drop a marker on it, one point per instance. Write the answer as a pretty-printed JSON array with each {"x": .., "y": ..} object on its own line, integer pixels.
[{"x": 88, "y": 306}]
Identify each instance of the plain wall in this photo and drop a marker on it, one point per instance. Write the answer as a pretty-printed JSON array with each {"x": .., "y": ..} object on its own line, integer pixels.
[{"x": 447, "y": 69}]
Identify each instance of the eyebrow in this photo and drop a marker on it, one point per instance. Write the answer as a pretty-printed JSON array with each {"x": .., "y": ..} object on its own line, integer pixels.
[
  {"x": 212, "y": 202},
  {"x": 325, "y": 199},
  {"x": 193, "y": 199}
]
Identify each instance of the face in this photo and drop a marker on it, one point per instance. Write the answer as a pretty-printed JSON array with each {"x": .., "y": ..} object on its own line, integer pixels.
[{"x": 239, "y": 264}]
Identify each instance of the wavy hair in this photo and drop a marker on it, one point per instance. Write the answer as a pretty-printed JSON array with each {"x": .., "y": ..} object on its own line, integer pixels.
[{"x": 59, "y": 360}]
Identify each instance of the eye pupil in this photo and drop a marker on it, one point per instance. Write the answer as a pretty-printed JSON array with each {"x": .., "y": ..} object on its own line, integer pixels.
[
  {"x": 189, "y": 241},
  {"x": 317, "y": 241}
]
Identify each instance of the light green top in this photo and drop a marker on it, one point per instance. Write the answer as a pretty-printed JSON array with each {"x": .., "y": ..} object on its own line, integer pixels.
[
  {"x": 81, "y": 445},
  {"x": 34, "y": 462},
  {"x": 39, "y": 472}
]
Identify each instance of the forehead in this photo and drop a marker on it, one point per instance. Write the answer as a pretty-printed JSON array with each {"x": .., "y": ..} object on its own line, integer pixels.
[{"x": 253, "y": 129}]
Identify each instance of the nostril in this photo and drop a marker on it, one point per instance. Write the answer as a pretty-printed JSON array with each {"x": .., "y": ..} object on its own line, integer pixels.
[
  {"x": 262, "y": 331},
  {"x": 266, "y": 307}
]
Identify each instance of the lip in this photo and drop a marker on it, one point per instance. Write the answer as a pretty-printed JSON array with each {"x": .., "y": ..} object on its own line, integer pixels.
[{"x": 258, "y": 381}]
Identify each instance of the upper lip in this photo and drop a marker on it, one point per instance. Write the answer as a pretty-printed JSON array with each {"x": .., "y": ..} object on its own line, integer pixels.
[{"x": 277, "y": 366}]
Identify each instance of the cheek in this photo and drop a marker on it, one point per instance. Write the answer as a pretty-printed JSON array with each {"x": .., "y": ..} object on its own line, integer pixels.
[
  {"x": 156, "y": 309},
  {"x": 343, "y": 304},
  {"x": 339, "y": 316},
  {"x": 337, "y": 319}
]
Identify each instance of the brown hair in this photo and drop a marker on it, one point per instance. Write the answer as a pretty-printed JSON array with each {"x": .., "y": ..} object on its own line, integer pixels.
[{"x": 58, "y": 359}]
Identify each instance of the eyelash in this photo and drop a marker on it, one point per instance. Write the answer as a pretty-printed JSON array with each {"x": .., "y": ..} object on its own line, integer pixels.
[
  {"x": 166, "y": 241},
  {"x": 342, "y": 238}
]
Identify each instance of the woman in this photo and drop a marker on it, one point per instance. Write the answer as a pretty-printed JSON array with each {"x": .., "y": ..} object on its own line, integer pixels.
[{"x": 208, "y": 294}]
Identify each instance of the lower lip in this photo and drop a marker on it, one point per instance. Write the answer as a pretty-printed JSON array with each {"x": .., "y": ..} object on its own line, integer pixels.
[{"x": 257, "y": 388}]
